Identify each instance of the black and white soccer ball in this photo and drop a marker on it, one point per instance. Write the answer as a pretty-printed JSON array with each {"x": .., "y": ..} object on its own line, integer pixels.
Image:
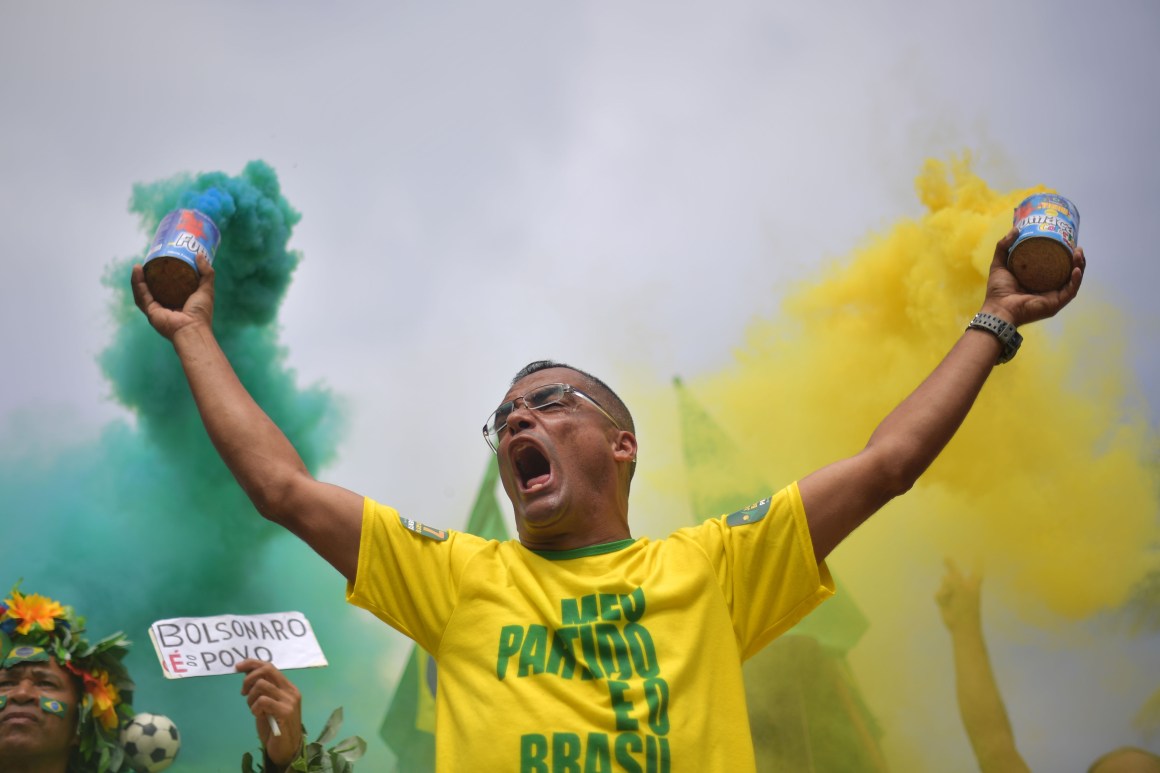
[{"x": 151, "y": 742}]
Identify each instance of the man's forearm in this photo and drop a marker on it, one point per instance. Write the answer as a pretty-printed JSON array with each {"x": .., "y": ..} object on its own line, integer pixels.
[
  {"x": 917, "y": 430},
  {"x": 259, "y": 455},
  {"x": 840, "y": 496}
]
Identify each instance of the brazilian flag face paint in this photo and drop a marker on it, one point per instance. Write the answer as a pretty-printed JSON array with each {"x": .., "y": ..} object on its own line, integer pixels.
[
  {"x": 53, "y": 706},
  {"x": 3, "y": 701},
  {"x": 24, "y": 654}
]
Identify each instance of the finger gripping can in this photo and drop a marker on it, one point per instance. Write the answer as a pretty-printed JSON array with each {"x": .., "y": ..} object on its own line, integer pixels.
[
  {"x": 171, "y": 265},
  {"x": 1041, "y": 256}
]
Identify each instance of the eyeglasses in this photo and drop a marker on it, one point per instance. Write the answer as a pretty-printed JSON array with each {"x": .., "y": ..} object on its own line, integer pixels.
[{"x": 539, "y": 399}]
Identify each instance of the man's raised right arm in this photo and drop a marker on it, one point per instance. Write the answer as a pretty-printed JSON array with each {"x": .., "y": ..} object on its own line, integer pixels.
[{"x": 257, "y": 452}]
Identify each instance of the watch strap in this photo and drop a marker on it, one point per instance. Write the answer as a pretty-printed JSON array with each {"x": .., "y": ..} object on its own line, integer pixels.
[{"x": 1008, "y": 336}]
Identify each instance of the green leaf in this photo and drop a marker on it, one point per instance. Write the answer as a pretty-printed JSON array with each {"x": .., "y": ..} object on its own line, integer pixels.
[
  {"x": 330, "y": 730},
  {"x": 350, "y": 749},
  {"x": 116, "y": 756},
  {"x": 316, "y": 759}
]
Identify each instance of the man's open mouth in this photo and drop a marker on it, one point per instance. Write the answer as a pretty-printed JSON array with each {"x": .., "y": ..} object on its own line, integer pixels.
[{"x": 532, "y": 467}]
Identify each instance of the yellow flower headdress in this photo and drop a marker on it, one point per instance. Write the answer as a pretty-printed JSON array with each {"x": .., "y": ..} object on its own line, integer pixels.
[{"x": 34, "y": 627}]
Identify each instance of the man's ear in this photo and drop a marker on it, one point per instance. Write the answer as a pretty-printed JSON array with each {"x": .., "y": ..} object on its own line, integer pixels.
[{"x": 624, "y": 446}]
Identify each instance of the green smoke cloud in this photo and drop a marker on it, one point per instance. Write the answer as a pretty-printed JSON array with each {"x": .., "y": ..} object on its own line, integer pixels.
[{"x": 146, "y": 522}]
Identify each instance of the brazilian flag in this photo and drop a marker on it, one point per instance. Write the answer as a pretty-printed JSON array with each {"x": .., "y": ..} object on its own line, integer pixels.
[
  {"x": 409, "y": 726},
  {"x": 12, "y": 653},
  {"x": 53, "y": 706}
]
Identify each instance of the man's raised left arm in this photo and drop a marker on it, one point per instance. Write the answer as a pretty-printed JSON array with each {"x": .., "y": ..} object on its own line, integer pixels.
[{"x": 840, "y": 496}]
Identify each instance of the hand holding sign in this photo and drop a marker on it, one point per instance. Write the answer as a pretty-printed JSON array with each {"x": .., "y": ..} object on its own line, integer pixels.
[
  {"x": 274, "y": 699},
  {"x": 257, "y": 645}
]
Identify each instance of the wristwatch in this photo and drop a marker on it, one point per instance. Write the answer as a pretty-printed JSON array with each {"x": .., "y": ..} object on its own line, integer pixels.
[{"x": 1008, "y": 336}]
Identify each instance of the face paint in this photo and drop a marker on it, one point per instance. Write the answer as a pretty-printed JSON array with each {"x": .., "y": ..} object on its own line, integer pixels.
[
  {"x": 25, "y": 653},
  {"x": 52, "y": 706},
  {"x": 3, "y": 701}
]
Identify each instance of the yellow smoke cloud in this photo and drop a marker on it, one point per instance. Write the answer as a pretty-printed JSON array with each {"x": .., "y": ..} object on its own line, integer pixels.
[
  {"x": 1050, "y": 487},
  {"x": 1051, "y": 478}
]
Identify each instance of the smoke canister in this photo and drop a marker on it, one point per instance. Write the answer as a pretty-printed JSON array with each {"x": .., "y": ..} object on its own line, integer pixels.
[
  {"x": 171, "y": 265},
  {"x": 1040, "y": 258}
]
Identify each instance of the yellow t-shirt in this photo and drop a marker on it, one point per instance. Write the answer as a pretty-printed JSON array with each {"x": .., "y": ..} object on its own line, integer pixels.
[{"x": 619, "y": 657}]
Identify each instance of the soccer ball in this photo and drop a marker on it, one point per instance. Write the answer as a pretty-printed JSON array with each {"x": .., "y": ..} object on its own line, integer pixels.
[{"x": 151, "y": 742}]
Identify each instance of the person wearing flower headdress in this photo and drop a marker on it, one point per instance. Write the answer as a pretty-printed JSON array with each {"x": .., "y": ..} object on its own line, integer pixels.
[{"x": 63, "y": 700}]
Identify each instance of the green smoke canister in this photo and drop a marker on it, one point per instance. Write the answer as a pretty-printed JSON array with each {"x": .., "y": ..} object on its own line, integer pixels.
[{"x": 171, "y": 265}]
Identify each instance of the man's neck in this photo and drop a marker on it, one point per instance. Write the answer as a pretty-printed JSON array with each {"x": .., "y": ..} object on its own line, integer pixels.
[{"x": 562, "y": 542}]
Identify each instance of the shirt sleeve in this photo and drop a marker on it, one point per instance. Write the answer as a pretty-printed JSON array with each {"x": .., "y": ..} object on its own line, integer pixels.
[
  {"x": 408, "y": 573},
  {"x": 764, "y": 562}
]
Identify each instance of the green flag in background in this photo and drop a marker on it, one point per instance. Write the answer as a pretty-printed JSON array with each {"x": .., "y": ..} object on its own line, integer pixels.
[
  {"x": 805, "y": 710},
  {"x": 487, "y": 519},
  {"x": 409, "y": 726},
  {"x": 723, "y": 480}
]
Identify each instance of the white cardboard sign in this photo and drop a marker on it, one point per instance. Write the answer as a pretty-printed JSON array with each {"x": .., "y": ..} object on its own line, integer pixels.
[{"x": 209, "y": 646}]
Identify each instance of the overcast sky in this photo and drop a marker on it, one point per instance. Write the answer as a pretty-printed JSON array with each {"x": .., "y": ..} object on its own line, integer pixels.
[{"x": 623, "y": 186}]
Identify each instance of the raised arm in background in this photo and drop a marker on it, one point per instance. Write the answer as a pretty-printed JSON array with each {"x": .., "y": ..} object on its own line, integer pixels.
[{"x": 980, "y": 704}]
